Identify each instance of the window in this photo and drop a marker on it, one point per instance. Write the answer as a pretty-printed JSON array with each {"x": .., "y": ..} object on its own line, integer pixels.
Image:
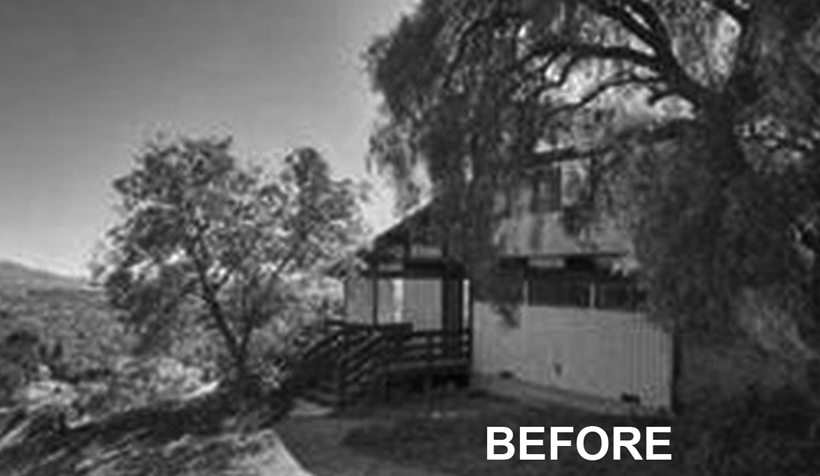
[
  {"x": 584, "y": 291},
  {"x": 562, "y": 185},
  {"x": 557, "y": 291},
  {"x": 618, "y": 295},
  {"x": 546, "y": 191},
  {"x": 574, "y": 183},
  {"x": 504, "y": 285}
]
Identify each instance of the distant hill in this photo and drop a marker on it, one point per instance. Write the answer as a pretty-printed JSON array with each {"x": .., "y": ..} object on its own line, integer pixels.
[
  {"x": 15, "y": 276},
  {"x": 59, "y": 310}
]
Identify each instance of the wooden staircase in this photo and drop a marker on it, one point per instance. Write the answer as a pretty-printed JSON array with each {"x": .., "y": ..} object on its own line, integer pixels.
[{"x": 347, "y": 363}]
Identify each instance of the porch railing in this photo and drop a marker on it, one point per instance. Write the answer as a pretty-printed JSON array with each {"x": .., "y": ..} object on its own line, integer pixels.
[
  {"x": 353, "y": 359},
  {"x": 429, "y": 349}
]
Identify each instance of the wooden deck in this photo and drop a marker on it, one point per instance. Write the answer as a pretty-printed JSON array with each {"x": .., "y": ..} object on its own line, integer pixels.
[{"x": 354, "y": 359}]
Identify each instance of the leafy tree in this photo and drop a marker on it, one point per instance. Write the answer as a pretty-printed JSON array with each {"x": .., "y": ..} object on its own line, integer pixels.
[
  {"x": 200, "y": 231},
  {"x": 697, "y": 120}
]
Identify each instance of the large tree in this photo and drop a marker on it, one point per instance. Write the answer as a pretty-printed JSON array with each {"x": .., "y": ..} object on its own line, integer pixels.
[
  {"x": 201, "y": 231},
  {"x": 698, "y": 118}
]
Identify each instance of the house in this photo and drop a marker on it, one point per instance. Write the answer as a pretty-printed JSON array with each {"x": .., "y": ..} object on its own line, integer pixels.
[{"x": 576, "y": 325}]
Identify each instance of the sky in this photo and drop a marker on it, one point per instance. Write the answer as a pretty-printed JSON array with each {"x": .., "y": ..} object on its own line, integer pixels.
[{"x": 84, "y": 83}]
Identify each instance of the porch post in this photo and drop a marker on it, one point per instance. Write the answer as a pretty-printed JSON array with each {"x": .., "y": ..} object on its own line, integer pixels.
[{"x": 374, "y": 278}]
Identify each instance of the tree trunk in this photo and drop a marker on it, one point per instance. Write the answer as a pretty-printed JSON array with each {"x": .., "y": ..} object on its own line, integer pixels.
[{"x": 812, "y": 335}]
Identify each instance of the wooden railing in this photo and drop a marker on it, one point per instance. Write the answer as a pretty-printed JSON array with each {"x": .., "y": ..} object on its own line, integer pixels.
[
  {"x": 353, "y": 359},
  {"x": 425, "y": 350},
  {"x": 361, "y": 368}
]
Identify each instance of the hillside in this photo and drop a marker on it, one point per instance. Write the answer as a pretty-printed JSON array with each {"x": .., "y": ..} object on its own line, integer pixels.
[
  {"x": 61, "y": 312},
  {"x": 118, "y": 433},
  {"x": 17, "y": 276}
]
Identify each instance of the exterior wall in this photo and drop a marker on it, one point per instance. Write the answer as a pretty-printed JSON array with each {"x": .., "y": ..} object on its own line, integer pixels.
[
  {"x": 529, "y": 234},
  {"x": 598, "y": 353}
]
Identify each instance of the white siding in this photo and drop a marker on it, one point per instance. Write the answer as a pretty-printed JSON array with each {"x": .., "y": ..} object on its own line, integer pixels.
[{"x": 601, "y": 353}]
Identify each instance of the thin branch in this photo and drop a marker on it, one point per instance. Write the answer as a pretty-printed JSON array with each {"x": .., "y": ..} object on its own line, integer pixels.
[{"x": 209, "y": 296}]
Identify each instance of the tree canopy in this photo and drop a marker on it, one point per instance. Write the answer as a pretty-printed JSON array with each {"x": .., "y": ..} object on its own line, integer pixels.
[
  {"x": 697, "y": 120},
  {"x": 202, "y": 231}
]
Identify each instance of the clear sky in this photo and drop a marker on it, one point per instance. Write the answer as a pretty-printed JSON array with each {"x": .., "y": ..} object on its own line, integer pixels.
[{"x": 83, "y": 83}]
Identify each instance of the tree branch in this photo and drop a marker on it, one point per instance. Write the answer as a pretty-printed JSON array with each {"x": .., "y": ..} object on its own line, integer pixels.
[
  {"x": 209, "y": 296},
  {"x": 648, "y": 27},
  {"x": 603, "y": 87},
  {"x": 642, "y": 20},
  {"x": 581, "y": 51},
  {"x": 194, "y": 247}
]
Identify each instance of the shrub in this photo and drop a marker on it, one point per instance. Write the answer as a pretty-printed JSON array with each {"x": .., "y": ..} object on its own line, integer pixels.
[{"x": 758, "y": 436}]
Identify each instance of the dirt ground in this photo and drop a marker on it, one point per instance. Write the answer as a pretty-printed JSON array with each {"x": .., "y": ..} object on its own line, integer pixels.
[{"x": 445, "y": 434}]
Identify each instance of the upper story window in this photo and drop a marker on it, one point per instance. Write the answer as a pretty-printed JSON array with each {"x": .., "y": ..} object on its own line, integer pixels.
[
  {"x": 585, "y": 291},
  {"x": 574, "y": 183},
  {"x": 559, "y": 186},
  {"x": 546, "y": 191}
]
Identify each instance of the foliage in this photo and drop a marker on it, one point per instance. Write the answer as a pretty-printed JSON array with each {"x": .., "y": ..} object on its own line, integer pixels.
[
  {"x": 203, "y": 236},
  {"x": 697, "y": 121},
  {"x": 758, "y": 436},
  {"x": 71, "y": 332}
]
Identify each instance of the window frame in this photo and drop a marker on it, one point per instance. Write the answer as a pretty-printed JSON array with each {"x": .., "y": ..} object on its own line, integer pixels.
[{"x": 594, "y": 283}]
